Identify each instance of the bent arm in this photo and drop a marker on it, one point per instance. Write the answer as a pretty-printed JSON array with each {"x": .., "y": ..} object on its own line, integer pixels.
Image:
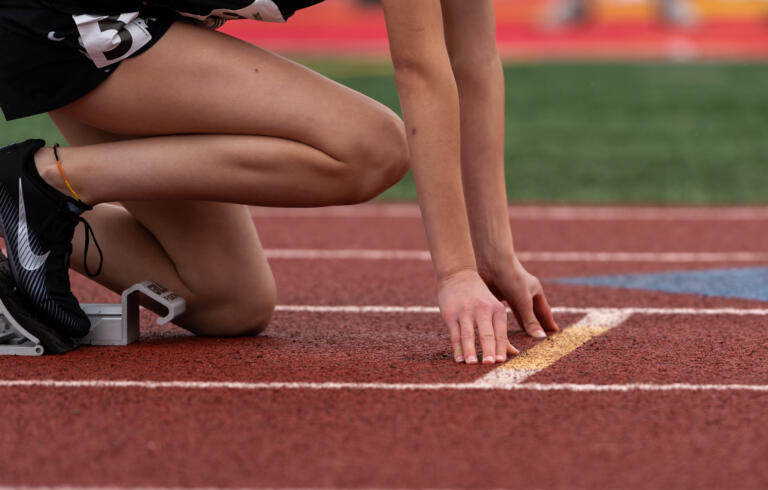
[{"x": 430, "y": 105}]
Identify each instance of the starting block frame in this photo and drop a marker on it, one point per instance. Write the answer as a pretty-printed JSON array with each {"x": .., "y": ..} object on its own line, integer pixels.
[{"x": 111, "y": 324}]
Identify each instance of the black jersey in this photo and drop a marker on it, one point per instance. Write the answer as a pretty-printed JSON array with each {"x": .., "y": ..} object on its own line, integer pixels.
[
  {"x": 53, "y": 52},
  {"x": 269, "y": 10}
]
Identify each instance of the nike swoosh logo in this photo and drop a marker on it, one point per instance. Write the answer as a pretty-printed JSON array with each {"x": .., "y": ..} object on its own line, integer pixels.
[
  {"x": 52, "y": 36},
  {"x": 28, "y": 259}
]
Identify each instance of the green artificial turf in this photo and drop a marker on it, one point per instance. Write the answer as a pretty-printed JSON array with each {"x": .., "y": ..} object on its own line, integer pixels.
[{"x": 619, "y": 132}]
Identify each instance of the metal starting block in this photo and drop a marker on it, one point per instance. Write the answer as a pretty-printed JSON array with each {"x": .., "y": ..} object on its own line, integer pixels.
[
  {"x": 14, "y": 340},
  {"x": 111, "y": 324}
]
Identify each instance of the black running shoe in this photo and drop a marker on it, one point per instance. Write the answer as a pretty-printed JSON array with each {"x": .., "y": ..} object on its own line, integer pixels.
[
  {"x": 19, "y": 308},
  {"x": 38, "y": 223}
]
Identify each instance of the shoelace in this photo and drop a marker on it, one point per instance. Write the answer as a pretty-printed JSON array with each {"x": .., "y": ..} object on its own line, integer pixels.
[{"x": 88, "y": 235}]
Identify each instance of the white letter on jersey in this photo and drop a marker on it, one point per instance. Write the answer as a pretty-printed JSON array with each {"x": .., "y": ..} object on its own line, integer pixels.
[{"x": 109, "y": 39}]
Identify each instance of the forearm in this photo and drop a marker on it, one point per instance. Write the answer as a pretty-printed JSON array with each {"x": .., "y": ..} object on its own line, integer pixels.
[
  {"x": 471, "y": 40},
  {"x": 431, "y": 113},
  {"x": 429, "y": 100},
  {"x": 481, "y": 89}
]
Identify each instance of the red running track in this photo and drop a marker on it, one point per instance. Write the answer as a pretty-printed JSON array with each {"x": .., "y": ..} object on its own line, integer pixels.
[{"x": 440, "y": 432}]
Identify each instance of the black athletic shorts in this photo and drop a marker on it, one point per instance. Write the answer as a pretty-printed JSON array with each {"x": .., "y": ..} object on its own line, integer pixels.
[{"x": 50, "y": 57}]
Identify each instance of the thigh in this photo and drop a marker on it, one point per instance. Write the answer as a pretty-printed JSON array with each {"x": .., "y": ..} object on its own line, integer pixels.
[
  {"x": 195, "y": 80},
  {"x": 210, "y": 245}
]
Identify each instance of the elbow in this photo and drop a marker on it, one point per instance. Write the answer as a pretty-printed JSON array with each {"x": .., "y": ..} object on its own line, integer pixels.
[
  {"x": 413, "y": 74},
  {"x": 416, "y": 71}
]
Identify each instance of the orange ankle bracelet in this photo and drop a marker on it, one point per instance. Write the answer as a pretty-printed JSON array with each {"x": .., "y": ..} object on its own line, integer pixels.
[{"x": 61, "y": 170}]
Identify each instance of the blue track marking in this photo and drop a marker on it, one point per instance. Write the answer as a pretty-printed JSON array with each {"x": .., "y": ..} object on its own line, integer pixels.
[{"x": 745, "y": 283}]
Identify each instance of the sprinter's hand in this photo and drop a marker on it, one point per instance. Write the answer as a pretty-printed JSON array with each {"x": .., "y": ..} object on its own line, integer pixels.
[
  {"x": 510, "y": 282},
  {"x": 467, "y": 304}
]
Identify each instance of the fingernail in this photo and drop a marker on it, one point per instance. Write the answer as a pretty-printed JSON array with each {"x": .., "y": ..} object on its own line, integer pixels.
[
  {"x": 501, "y": 358},
  {"x": 539, "y": 334},
  {"x": 471, "y": 360},
  {"x": 489, "y": 359},
  {"x": 459, "y": 358}
]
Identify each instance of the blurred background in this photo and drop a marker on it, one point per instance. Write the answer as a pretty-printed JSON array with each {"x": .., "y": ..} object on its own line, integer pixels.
[{"x": 608, "y": 101}]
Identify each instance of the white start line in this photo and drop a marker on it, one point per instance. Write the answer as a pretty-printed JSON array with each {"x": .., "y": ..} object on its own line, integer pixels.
[
  {"x": 339, "y": 386},
  {"x": 543, "y": 256},
  {"x": 631, "y": 310},
  {"x": 101, "y": 487}
]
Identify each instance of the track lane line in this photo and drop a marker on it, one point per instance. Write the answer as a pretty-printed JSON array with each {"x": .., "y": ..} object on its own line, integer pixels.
[
  {"x": 102, "y": 487},
  {"x": 341, "y": 386},
  {"x": 532, "y": 256},
  {"x": 429, "y": 310}
]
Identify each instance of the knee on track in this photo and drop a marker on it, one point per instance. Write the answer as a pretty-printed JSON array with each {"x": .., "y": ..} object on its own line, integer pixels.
[{"x": 239, "y": 313}]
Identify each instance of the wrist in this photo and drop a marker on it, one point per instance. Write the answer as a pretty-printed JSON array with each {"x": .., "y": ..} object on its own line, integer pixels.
[
  {"x": 493, "y": 256},
  {"x": 493, "y": 251},
  {"x": 491, "y": 234},
  {"x": 448, "y": 276}
]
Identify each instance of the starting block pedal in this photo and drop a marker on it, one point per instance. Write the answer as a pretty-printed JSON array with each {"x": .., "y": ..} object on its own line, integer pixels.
[{"x": 111, "y": 324}]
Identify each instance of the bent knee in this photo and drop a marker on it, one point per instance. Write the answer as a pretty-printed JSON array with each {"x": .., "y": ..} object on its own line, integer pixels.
[
  {"x": 380, "y": 161},
  {"x": 248, "y": 319},
  {"x": 238, "y": 315}
]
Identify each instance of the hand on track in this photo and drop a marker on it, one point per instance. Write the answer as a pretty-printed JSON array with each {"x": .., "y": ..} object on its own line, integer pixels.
[
  {"x": 467, "y": 304},
  {"x": 510, "y": 282}
]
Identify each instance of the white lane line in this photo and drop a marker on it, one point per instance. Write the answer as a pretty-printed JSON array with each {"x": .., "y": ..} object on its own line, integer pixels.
[
  {"x": 99, "y": 487},
  {"x": 603, "y": 318},
  {"x": 358, "y": 309},
  {"x": 557, "y": 309},
  {"x": 502, "y": 377},
  {"x": 338, "y": 386},
  {"x": 551, "y": 213},
  {"x": 70, "y": 487},
  {"x": 95, "y": 487},
  {"x": 313, "y": 254},
  {"x": 555, "y": 347},
  {"x": 542, "y": 256},
  {"x": 644, "y": 256}
]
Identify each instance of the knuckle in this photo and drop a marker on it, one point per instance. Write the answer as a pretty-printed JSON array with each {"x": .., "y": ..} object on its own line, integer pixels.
[
  {"x": 467, "y": 335},
  {"x": 486, "y": 305}
]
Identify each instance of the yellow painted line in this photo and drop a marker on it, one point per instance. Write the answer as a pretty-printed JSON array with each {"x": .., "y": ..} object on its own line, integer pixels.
[
  {"x": 596, "y": 322},
  {"x": 554, "y": 348}
]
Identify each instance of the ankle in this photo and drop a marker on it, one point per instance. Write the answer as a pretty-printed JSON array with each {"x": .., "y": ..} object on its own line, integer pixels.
[{"x": 46, "y": 165}]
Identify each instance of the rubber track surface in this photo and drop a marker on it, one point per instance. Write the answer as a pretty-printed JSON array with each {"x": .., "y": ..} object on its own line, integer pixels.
[{"x": 356, "y": 437}]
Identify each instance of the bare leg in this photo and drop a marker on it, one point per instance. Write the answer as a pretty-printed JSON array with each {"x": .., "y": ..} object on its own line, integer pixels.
[
  {"x": 203, "y": 117},
  {"x": 209, "y": 253},
  {"x": 231, "y": 122}
]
